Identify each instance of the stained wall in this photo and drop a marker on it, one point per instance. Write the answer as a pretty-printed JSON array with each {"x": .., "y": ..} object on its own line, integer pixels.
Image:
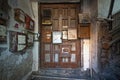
[{"x": 13, "y": 65}]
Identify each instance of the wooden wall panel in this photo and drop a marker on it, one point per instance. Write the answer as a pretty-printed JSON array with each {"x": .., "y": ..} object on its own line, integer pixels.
[{"x": 84, "y": 32}]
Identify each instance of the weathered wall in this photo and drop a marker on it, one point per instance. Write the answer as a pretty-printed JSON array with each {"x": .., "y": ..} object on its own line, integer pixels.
[
  {"x": 90, "y": 6},
  {"x": 110, "y": 51},
  {"x": 94, "y": 34},
  {"x": 107, "y": 65},
  {"x": 14, "y": 66},
  {"x": 36, "y": 49}
]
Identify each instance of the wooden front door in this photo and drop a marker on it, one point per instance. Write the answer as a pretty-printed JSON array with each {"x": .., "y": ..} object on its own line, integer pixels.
[{"x": 60, "y": 46}]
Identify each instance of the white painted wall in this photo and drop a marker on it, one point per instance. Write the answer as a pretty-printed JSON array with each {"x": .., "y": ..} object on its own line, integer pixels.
[
  {"x": 116, "y": 7},
  {"x": 86, "y": 53},
  {"x": 25, "y": 5},
  {"x": 36, "y": 43},
  {"x": 103, "y": 8}
]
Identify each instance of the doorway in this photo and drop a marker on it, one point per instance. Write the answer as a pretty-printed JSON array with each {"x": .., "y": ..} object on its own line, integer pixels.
[
  {"x": 85, "y": 52},
  {"x": 60, "y": 47}
]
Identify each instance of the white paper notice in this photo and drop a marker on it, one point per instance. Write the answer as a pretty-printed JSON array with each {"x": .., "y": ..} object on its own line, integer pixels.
[{"x": 73, "y": 58}]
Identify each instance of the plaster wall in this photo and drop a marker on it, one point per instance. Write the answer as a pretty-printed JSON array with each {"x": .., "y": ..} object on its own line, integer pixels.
[
  {"x": 36, "y": 43},
  {"x": 14, "y": 66},
  {"x": 91, "y": 8},
  {"x": 103, "y": 8},
  {"x": 116, "y": 7}
]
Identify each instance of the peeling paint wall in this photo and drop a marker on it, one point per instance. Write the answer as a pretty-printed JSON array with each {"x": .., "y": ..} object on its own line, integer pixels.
[{"x": 14, "y": 66}]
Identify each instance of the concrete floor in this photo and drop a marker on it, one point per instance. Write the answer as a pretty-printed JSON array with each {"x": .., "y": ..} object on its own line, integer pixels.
[
  {"x": 61, "y": 74},
  {"x": 54, "y": 78}
]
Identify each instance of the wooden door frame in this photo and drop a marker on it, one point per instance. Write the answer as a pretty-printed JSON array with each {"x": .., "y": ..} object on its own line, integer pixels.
[{"x": 78, "y": 61}]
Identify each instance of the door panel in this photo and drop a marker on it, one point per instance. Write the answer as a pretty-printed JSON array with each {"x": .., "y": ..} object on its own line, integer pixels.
[{"x": 67, "y": 53}]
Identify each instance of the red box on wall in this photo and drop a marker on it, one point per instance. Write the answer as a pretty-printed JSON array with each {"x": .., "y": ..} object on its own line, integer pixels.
[{"x": 29, "y": 23}]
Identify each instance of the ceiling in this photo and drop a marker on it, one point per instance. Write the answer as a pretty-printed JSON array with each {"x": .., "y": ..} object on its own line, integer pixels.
[{"x": 58, "y": 1}]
